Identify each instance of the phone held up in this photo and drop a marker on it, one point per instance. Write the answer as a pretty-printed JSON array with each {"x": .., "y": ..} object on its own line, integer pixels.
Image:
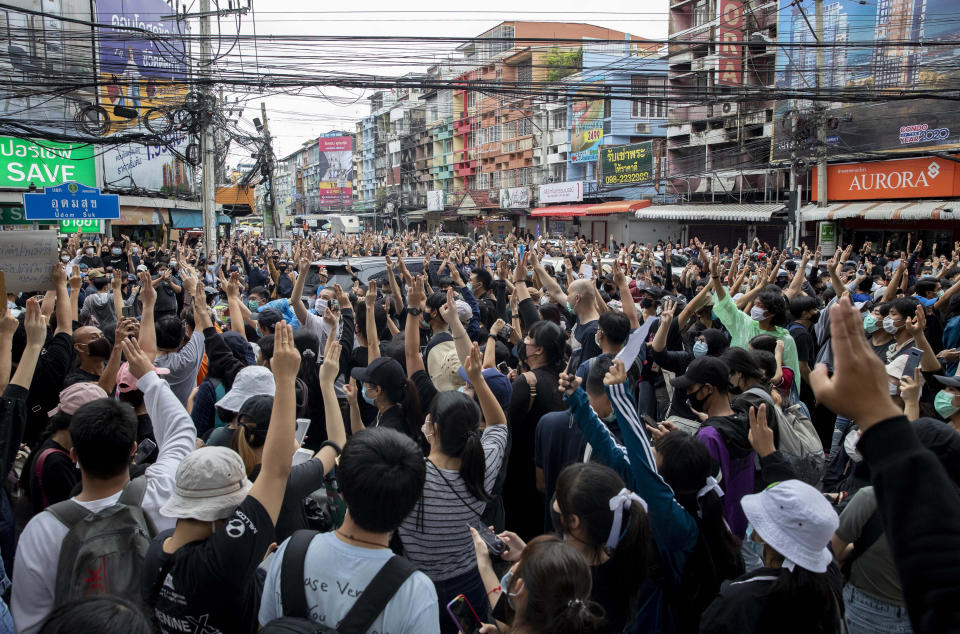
[
  {"x": 494, "y": 544},
  {"x": 464, "y": 615}
]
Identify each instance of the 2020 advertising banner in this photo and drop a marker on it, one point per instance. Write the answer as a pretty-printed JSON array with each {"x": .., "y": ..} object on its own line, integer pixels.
[
  {"x": 336, "y": 170},
  {"x": 900, "y": 49}
]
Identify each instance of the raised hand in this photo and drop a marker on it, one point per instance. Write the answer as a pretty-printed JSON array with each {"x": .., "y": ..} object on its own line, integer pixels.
[
  {"x": 760, "y": 435},
  {"x": 331, "y": 361},
  {"x": 285, "y": 362},
  {"x": 371, "y": 297},
  {"x": 617, "y": 374},
  {"x": 138, "y": 360},
  {"x": 669, "y": 308},
  {"x": 569, "y": 383},
  {"x": 35, "y": 323},
  {"x": 416, "y": 297},
  {"x": 473, "y": 365}
]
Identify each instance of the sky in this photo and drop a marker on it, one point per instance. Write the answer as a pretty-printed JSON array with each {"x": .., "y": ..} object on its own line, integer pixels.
[{"x": 295, "y": 119}]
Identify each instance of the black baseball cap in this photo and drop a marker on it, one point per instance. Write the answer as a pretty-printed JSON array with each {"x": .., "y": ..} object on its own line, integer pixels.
[
  {"x": 383, "y": 371},
  {"x": 268, "y": 317},
  {"x": 257, "y": 409},
  {"x": 704, "y": 370}
]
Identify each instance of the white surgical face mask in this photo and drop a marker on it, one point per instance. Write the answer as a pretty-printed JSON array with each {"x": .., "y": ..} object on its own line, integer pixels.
[
  {"x": 757, "y": 313},
  {"x": 889, "y": 326}
]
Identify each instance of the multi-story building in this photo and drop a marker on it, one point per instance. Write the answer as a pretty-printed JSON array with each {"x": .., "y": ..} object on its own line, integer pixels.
[{"x": 718, "y": 142}]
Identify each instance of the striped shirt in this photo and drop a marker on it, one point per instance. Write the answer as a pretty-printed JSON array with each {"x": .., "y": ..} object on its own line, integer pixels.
[{"x": 435, "y": 534}]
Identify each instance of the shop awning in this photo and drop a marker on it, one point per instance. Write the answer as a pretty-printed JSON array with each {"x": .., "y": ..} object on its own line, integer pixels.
[
  {"x": 189, "y": 219},
  {"x": 137, "y": 216},
  {"x": 415, "y": 215},
  {"x": 560, "y": 211},
  {"x": 617, "y": 207},
  {"x": 716, "y": 213},
  {"x": 884, "y": 210}
]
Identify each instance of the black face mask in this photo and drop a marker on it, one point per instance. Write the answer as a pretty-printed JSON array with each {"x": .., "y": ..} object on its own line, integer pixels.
[
  {"x": 815, "y": 317},
  {"x": 99, "y": 348},
  {"x": 646, "y": 303},
  {"x": 697, "y": 403}
]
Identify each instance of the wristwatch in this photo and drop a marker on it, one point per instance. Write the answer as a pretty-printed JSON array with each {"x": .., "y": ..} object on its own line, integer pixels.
[{"x": 415, "y": 311}]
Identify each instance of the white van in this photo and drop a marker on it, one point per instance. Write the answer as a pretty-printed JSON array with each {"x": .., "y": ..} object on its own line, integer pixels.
[{"x": 341, "y": 224}]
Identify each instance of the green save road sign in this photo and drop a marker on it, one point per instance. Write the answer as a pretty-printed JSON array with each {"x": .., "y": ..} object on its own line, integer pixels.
[
  {"x": 45, "y": 163},
  {"x": 86, "y": 225},
  {"x": 627, "y": 164}
]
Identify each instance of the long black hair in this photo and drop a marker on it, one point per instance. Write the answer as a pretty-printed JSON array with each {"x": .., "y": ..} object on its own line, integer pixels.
[
  {"x": 716, "y": 556},
  {"x": 552, "y": 339},
  {"x": 456, "y": 420},
  {"x": 584, "y": 489},
  {"x": 799, "y": 602}
]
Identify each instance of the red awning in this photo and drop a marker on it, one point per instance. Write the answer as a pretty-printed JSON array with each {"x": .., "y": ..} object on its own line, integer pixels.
[
  {"x": 617, "y": 207},
  {"x": 559, "y": 211}
]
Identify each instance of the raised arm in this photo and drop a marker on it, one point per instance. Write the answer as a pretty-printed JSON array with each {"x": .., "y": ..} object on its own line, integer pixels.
[
  {"x": 493, "y": 414},
  {"x": 64, "y": 303},
  {"x": 298, "y": 308},
  {"x": 373, "y": 337},
  {"x": 626, "y": 299},
  {"x": 417, "y": 300},
  {"x": 334, "y": 419},
  {"x": 394, "y": 285},
  {"x": 280, "y": 444},
  {"x": 460, "y": 338},
  {"x": 148, "y": 299}
]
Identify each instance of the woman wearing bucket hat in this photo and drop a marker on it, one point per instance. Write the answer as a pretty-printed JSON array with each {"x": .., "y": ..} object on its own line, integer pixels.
[
  {"x": 798, "y": 588},
  {"x": 204, "y": 570}
]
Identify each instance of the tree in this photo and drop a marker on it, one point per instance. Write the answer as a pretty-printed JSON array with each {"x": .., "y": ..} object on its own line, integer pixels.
[{"x": 561, "y": 64}]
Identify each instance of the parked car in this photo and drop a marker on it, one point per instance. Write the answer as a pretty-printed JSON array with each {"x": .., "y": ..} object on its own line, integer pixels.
[{"x": 365, "y": 268}]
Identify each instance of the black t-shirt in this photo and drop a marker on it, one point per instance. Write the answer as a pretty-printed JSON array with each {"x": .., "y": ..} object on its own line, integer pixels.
[
  {"x": 211, "y": 586},
  {"x": 305, "y": 478},
  {"x": 91, "y": 261},
  {"x": 79, "y": 375},
  {"x": 806, "y": 347},
  {"x": 586, "y": 334},
  {"x": 118, "y": 262},
  {"x": 59, "y": 475},
  {"x": 557, "y": 444},
  {"x": 53, "y": 365}
]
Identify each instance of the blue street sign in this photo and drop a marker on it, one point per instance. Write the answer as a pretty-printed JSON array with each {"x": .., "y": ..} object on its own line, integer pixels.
[{"x": 69, "y": 201}]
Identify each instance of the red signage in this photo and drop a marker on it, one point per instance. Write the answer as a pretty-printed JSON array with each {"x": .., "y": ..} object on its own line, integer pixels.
[
  {"x": 929, "y": 177},
  {"x": 730, "y": 56}
]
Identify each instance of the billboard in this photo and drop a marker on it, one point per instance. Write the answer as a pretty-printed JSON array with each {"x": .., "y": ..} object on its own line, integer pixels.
[
  {"x": 627, "y": 164},
  {"x": 335, "y": 170},
  {"x": 730, "y": 56},
  {"x": 435, "y": 200},
  {"x": 44, "y": 163},
  {"x": 908, "y": 45},
  {"x": 152, "y": 167},
  {"x": 139, "y": 72},
  {"x": 46, "y": 63},
  {"x": 568, "y": 192},
  {"x": 927, "y": 177},
  {"x": 515, "y": 198},
  {"x": 587, "y": 129}
]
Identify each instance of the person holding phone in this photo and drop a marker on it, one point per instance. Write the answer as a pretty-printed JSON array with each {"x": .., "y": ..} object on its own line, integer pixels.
[{"x": 467, "y": 450}]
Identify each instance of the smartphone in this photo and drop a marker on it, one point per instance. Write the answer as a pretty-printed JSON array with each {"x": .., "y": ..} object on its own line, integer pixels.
[
  {"x": 913, "y": 360},
  {"x": 128, "y": 311},
  {"x": 648, "y": 419},
  {"x": 303, "y": 424},
  {"x": 494, "y": 544},
  {"x": 521, "y": 250},
  {"x": 144, "y": 450},
  {"x": 464, "y": 615},
  {"x": 503, "y": 367}
]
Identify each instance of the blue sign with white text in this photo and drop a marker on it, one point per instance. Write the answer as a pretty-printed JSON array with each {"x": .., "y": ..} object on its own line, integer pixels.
[{"x": 71, "y": 200}]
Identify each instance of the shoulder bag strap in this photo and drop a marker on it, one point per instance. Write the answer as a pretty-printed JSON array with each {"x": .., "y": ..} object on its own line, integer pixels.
[
  {"x": 68, "y": 512},
  {"x": 38, "y": 470},
  {"x": 871, "y": 532},
  {"x": 532, "y": 383},
  {"x": 293, "y": 594},
  {"x": 133, "y": 492},
  {"x": 455, "y": 492},
  {"x": 376, "y": 596}
]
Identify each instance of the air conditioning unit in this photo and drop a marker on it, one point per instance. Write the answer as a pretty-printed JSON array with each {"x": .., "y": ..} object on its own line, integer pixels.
[
  {"x": 641, "y": 128},
  {"x": 728, "y": 108}
]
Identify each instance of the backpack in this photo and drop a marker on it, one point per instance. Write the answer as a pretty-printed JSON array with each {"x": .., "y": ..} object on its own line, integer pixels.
[
  {"x": 799, "y": 441},
  {"x": 103, "y": 552},
  {"x": 359, "y": 618},
  {"x": 38, "y": 471}
]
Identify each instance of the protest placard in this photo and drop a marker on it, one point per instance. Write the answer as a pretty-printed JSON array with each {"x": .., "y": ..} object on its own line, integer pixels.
[{"x": 26, "y": 258}]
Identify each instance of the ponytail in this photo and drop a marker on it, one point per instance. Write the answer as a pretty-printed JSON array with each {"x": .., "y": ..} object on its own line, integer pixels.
[
  {"x": 410, "y": 405},
  {"x": 800, "y": 602},
  {"x": 241, "y": 444},
  {"x": 473, "y": 466},
  {"x": 576, "y": 617}
]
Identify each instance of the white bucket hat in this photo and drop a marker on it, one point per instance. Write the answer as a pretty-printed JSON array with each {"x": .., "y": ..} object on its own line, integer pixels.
[
  {"x": 253, "y": 380},
  {"x": 210, "y": 483},
  {"x": 796, "y": 521}
]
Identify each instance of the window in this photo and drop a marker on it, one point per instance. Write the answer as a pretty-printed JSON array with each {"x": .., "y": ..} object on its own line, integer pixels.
[
  {"x": 495, "y": 180},
  {"x": 558, "y": 120},
  {"x": 649, "y": 94},
  {"x": 524, "y": 126},
  {"x": 701, "y": 12}
]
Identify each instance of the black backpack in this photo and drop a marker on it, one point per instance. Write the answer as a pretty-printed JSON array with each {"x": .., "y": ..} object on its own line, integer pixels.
[{"x": 359, "y": 618}]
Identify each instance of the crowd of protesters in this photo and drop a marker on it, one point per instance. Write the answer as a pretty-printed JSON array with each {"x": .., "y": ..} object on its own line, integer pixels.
[{"x": 529, "y": 435}]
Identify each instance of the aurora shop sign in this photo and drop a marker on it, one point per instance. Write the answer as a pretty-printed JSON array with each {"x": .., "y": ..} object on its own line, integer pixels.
[{"x": 44, "y": 163}]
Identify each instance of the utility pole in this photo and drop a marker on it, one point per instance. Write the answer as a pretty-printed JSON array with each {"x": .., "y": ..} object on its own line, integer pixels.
[
  {"x": 270, "y": 224},
  {"x": 821, "y": 111},
  {"x": 207, "y": 144}
]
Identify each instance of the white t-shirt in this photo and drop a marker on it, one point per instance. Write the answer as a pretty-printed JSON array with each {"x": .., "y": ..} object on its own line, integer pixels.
[
  {"x": 38, "y": 551},
  {"x": 336, "y": 573}
]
